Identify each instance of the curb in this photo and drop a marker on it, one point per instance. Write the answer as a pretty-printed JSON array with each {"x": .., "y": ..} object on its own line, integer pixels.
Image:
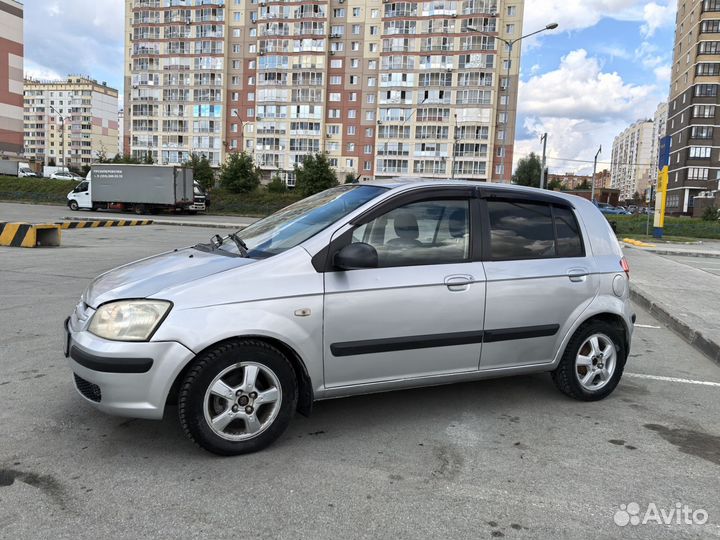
[
  {"x": 708, "y": 347},
  {"x": 97, "y": 223},
  {"x": 699, "y": 254},
  {"x": 206, "y": 224}
]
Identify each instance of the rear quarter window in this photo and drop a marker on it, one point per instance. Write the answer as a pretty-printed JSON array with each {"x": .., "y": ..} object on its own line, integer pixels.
[{"x": 528, "y": 230}]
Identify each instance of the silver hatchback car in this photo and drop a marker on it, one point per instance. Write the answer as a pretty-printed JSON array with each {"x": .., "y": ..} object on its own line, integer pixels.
[{"x": 358, "y": 289}]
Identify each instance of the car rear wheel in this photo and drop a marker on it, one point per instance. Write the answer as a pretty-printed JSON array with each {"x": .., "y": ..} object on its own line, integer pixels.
[
  {"x": 238, "y": 397},
  {"x": 593, "y": 362}
]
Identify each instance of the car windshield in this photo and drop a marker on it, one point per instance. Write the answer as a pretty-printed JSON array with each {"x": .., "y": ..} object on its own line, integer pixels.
[{"x": 293, "y": 225}]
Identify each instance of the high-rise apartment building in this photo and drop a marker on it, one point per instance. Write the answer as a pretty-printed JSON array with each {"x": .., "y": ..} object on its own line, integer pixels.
[
  {"x": 70, "y": 122},
  {"x": 630, "y": 164},
  {"x": 11, "y": 78},
  {"x": 385, "y": 88},
  {"x": 694, "y": 115}
]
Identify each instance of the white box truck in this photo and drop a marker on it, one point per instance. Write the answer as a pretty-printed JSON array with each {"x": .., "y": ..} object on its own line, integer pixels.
[
  {"x": 16, "y": 168},
  {"x": 138, "y": 188}
]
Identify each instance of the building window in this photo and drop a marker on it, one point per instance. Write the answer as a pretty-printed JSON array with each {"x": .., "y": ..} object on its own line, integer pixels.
[
  {"x": 369, "y": 132},
  {"x": 699, "y": 152},
  {"x": 708, "y": 69},
  {"x": 711, "y": 5},
  {"x": 356, "y": 12},
  {"x": 511, "y": 11},
  {"x": 701, "y": 132},
  {"x": 350, "y": 163},
  {"x": 336, "y": 79},
  {"x": 351, "y": 147},
  {"x": 698, "y": 173},
  {"x": 370, "y": 98},
  {"x": 368, "y": 149},
  {"x": 367, "y": 165},
  {"x": 706, "y": 90},
  {"x": 703, "y": 111},
  {"x": 336, "y": 63},
  {"x": 352, "y": 113},
  {"x": 334, "y": 96},
  {"x": 509, "y": 28},
  {"x": 351, "y": 130}
]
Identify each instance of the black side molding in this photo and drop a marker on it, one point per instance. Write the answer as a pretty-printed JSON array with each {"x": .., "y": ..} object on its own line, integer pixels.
[
  {"x": 407, "y": 343},
  {"x": 110, "y": 365},
  {"x": 524, "y": 332}
]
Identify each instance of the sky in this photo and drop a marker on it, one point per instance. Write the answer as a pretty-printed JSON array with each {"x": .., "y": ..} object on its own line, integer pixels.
[{"x": 606, "y": 66}]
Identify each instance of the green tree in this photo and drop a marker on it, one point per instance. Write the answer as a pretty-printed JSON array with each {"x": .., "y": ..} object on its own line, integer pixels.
[
  {"x": 277, "y": 185},
  {"x": 528, "y": 170},
  {"x": 202, "y": 171},
  {"x": 351, "y": 178},
  {"x": 556, "y": 183},
  {"x": 238, "y": 174},
  {"x": 149, "y": 159},
  {"x": 584, "y": 185},
  {"x": 314, "y": 175}
]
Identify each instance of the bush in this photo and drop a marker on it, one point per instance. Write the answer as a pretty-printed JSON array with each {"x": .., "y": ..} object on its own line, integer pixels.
[
  {"x": 258, "y": 203},
  {"x": 711, "y": 214},
  {"x": 238, "y": 174},
  {"x": 674, "y": 226},
  {"x": 276, "y": 185}
]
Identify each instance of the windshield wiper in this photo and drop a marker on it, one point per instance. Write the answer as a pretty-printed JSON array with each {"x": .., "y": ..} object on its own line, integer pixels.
[{"x": 242, "y": 246}]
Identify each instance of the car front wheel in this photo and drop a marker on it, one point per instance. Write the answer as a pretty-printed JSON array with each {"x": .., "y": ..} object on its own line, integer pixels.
[
  {"x": 593, "y": 362},
  {"x": 238, "y": 397},
  {"x": 74, "y": 206}
]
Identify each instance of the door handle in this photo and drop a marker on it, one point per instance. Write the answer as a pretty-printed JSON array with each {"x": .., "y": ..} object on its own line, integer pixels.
[
  {"x": 577, "y": 275},
  {"x": 458, "y": 282}
]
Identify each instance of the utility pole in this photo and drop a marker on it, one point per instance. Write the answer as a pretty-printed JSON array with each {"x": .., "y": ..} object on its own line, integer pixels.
[
  {"x": 542, "y": 170},
  {"x": 592, "y": 181}
]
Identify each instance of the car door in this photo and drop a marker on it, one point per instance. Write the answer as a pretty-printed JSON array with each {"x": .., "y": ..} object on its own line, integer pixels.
[
  {"x": 420, "y": 311},
  {"x": 539, "y": 277},
  {"x": 82, "y": 194}
]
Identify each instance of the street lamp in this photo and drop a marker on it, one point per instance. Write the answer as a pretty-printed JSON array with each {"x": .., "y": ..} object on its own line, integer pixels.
[
  {"x": 242, "y": 129},
  {"x": 509, "y": 43},
  {"x": 62, "y": 136}
]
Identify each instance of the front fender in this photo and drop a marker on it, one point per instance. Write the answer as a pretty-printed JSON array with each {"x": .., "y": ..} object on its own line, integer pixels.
[{"x": 200, "y": 328}]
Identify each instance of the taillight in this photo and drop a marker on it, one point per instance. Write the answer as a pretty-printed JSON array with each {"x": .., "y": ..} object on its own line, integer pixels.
[{"x": 625, "y": 266}]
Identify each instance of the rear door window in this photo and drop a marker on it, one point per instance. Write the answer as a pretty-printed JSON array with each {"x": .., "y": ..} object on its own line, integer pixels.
[{"x": 528, "y": 230}]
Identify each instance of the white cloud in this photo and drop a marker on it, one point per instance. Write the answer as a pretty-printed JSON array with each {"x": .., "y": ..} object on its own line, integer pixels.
[
  {"x": 657, "y": 16},
  {"x": 75, "y": 37},
  {"x": 580, "y": 107},
  {"x": 579, "y": 14},
  {"x": 38, "y": 72}
]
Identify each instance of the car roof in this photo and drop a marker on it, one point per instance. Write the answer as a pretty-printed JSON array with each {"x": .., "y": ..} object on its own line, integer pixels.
[{"x": 402, "y": 183}]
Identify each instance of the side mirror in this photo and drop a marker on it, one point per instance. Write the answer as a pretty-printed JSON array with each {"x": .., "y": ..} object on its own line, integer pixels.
[{"x": 356, "y": 257}]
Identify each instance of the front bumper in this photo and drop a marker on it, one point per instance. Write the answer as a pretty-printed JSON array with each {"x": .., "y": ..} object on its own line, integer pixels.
[{"x": 124, "y": 378}]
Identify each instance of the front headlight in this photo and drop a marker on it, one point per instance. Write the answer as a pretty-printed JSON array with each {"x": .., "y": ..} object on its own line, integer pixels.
[{"x": 129, "y": 320}]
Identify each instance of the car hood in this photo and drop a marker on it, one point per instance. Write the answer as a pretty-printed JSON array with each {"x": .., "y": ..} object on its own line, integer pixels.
[{"x": 150, "y": 276}]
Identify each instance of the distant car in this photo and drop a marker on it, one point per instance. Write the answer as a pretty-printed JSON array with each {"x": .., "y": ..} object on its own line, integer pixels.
[
  {"x": 609, "y": 209},
  {"x": 65, "y": 175},
  {"x": 25, "y": 172}
]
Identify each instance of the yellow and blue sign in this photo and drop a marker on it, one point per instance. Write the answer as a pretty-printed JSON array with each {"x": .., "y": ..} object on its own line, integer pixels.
[{"x": 662, "y": 185}]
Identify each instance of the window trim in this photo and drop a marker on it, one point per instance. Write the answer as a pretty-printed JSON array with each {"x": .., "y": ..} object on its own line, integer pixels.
[
  {"x": 552, "y": 202},
  {"x": 323, "y": 260}
]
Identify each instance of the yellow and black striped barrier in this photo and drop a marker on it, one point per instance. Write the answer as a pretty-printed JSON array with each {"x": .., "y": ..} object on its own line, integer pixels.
[
  {"x": 29, "y": 235},
  {"x": 97, "y": 223}
]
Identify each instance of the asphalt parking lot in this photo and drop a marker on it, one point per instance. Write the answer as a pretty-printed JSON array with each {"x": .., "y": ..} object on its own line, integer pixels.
[
  {"x": 509, "y": 458},
  {"x": 707, "y": 264}
]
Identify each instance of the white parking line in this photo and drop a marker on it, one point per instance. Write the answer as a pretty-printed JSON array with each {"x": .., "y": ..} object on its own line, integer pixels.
[
  {"x": 645, "y": 326},
  {"x": 671, "y": 379}
]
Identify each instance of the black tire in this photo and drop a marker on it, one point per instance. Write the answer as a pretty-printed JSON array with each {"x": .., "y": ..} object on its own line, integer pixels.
[
  {"x": 74, "y": 206},
  {"x": 191, "y": 398},
  {"x": 566, "y": 377},
  {"x": 140, "y": 210}
]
